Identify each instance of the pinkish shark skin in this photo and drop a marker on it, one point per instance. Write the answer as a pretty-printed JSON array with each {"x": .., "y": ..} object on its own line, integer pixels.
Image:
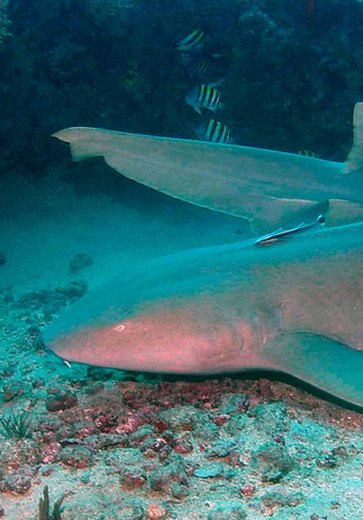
[
  {"x": 264, "y": 186},
  {"x": 294, "y": 306}
]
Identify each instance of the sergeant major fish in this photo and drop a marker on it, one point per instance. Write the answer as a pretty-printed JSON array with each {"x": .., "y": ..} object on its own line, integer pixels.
[
  {"x": 192, "y": 42},
  {"x": 204, "y": 96},
  {"x": 213, "y": 131}
]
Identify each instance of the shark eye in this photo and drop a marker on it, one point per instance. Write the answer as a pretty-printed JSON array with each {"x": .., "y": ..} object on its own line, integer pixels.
[{"x": 120, "y": 327}]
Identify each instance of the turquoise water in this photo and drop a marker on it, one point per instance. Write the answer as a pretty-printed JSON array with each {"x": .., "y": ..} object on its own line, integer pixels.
[{"x": 113, "y": 445}]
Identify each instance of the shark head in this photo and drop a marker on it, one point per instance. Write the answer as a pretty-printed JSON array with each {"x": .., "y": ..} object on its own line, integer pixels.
[
  {"x": 181, "y": 337},
  {"x": 179, "y": 314}
]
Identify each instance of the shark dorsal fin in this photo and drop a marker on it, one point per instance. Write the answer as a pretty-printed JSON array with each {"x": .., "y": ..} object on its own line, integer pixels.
[{"x": 355, "y": 157}]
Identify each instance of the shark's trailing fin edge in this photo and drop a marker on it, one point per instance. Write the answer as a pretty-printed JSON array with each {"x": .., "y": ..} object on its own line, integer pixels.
[
  {"x": 355, "y": 157},
  {"x": 321, "y": 362}
]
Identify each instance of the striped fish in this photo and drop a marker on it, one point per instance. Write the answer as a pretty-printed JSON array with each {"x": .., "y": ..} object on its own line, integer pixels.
[
  {"x": 213, "y": 131},
  {"x": 307, "y": 153},
  {"x": 196, "y": 65},
  {"x": 204, "y": 96},
  {"x": 192, "y": 42}
]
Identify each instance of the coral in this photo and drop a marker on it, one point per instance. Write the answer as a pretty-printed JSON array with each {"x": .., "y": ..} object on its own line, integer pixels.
[
  {"x": 80, "y": 262},
  {"x": 44, "y": 511},
  {"x": 16, "y": 426},
  {"x": 4, "y": 20}
]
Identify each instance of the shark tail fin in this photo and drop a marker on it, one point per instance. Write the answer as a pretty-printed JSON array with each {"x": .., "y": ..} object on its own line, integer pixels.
[
  {"x": 355, "y": 157},
  {"x": 320, "y": 361},
  {"x": 85, "y": 142}
]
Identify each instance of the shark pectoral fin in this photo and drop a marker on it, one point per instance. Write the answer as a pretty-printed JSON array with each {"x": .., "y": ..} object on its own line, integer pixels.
[
  {"x": 355, "y": 157},
  {"x": 321, "y": 362},
  {"x": 308, "y": 218}
]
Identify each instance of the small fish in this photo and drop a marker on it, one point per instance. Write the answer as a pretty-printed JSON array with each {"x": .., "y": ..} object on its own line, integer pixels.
[
  {"x": 192, "y": 42},
  {"x": 197, "y": 66},
  {"x": 307, "y": 153},
  {"x": 203, "y": 68},
  {"x": 204, "y": 96},
  {"x": 213, "y": 131},
  {"x": 304, "y": 220}
]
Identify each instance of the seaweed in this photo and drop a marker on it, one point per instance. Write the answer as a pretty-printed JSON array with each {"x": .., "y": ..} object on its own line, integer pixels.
[
  {"x": 16, "y": 426},
  {"x": 44, "y": 507}
]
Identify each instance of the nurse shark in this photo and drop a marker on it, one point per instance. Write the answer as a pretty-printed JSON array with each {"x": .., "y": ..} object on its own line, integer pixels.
[
  {"x": 291, "y": 304},
  {"x": 264, "y": 186}
]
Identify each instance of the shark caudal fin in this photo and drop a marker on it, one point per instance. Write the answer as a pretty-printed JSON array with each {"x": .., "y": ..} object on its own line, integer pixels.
[
  {"x": 355, "y": 157},
  {"x": 321, "y": 362}
]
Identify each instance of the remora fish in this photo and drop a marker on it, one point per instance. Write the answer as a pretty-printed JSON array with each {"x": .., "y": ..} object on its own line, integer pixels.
[
  {"x": 264, "y": 186},
  {"x": 293, "y": 306}
]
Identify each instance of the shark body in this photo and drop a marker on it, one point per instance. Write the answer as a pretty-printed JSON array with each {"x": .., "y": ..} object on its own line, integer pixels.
[
  {"x": 264, "y": 186},
  {"x": 294, "y": 305}
]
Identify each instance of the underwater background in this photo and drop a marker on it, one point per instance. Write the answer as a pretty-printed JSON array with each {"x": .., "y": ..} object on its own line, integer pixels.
[{"x": 111, "y": 445}]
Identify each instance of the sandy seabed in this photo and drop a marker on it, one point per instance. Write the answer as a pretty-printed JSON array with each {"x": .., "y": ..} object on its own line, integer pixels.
[{"x": 129, "y": 446}]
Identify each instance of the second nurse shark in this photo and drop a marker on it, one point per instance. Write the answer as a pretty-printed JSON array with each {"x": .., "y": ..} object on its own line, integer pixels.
[
  {"x": 289, "y": 304},
  {"x": 264, "y": 186}
]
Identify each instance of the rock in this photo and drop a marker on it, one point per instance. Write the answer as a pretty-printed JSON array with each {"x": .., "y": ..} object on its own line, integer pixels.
[
  {"x": 77, "y": 456},
  {"x": 183, "y": 447},
  {"x": 129, "y": 510},
  {"x": 17, "y": 484},
  {"x": 211, "y": 470},
  {"x": 327, "y": 461},
  {"x": 61, "y": 402},
  {"x": 80, "y": 262},
  {"x": 271, "y": 418},
  {"x": 237, "y": 423},
  {"x": 179, "y": 491},
  {"x": 12, "y": 390},
  {"x": 156, "y": 512},
  {"x": 140, "y": 435},
  {"x": 131, "y": 480},
  {"x": 162, "y": 479},
  {"x": 74, "y": 290},
  {"x": 2, "y": 259},
  {"x": 105, "y": 421},
  {"x": 232, "y": 511},
  {"x": 274, "y": 499},
  {"x": 232, "y": 403},
  {"x": 272, "y": 461},
  {"x": 221, "y": 448}
]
